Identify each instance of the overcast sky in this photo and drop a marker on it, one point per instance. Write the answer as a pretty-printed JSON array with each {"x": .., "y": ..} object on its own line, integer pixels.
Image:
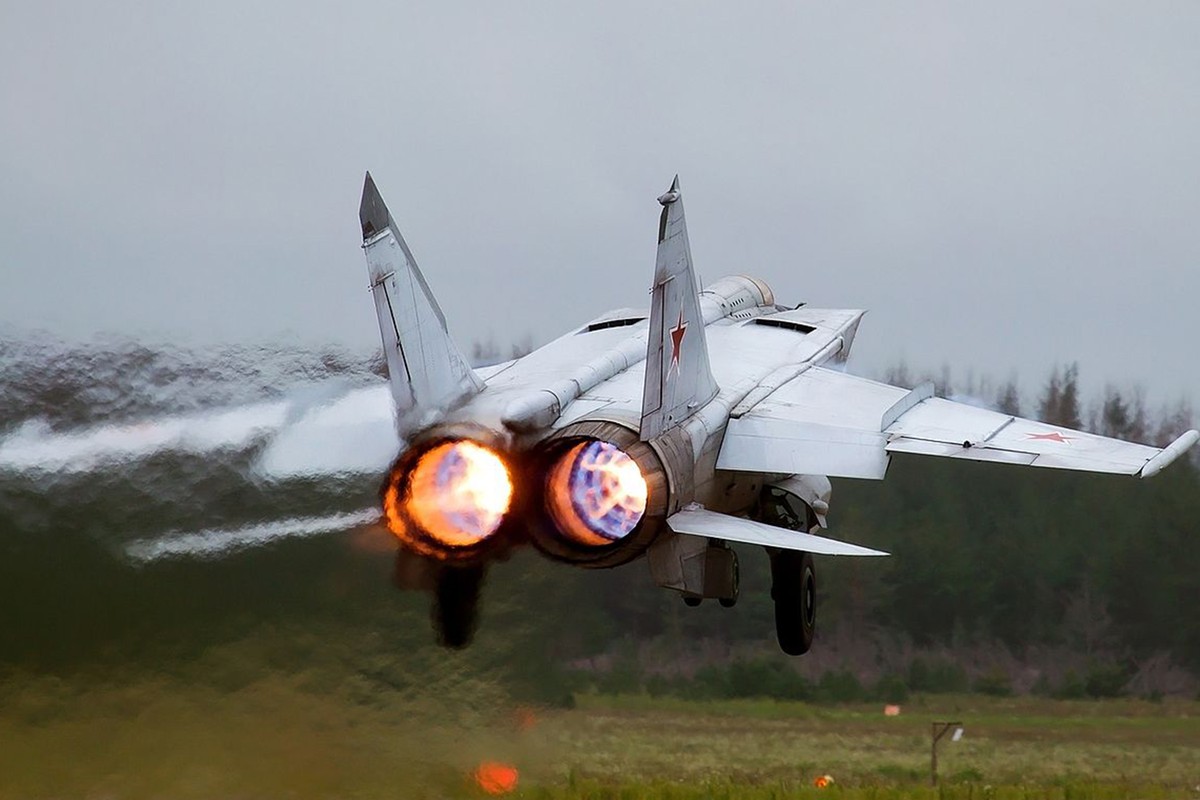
[{"x": 1004, "y": 185}]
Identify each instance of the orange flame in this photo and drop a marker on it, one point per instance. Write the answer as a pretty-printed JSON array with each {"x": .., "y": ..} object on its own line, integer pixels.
[
  {"x": 496, "y": 778},
  {"x": 458, "y": 494},
  {"x": 394, "y": 516}
]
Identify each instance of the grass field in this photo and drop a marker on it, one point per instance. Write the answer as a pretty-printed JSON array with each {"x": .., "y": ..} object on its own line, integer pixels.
[
  {"x": 1131, "y": 746},
  {"x": 286, "y": 736}
]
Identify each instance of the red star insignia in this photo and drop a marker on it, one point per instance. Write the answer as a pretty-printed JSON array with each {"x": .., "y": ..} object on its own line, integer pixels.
[
  {"x": 1050, "y": 437},
  {"x": 677, "y": 334}
]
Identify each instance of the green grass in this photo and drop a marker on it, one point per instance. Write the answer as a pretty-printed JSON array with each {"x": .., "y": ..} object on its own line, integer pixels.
[
  {"x": 741, "y": 791},
  {"x": 296, "y": 735},
  {"x": 1008, "y": 741}
]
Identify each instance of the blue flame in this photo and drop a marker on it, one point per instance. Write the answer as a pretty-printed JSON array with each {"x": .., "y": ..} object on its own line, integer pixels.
[{"x": 597, "y": 494}]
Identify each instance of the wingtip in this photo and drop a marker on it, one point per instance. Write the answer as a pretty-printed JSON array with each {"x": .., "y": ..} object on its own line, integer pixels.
[
  {"x": 1169, "y": 453},
  {"x": 373, "y": 213}
]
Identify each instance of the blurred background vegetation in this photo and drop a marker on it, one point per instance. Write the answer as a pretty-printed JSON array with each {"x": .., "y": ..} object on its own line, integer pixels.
[{"x": 1002, "y": 581}]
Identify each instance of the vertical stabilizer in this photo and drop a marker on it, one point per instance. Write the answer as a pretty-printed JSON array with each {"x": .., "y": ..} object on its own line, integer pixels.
[
  {"x": 426, "y": 369},
  {"x": 678, "y": 377}
]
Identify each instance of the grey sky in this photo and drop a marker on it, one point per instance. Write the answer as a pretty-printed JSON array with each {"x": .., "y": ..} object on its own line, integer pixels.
[{"x": 1005, "y": 186}]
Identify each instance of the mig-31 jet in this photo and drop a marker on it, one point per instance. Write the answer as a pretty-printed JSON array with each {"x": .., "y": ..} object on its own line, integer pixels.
[{"x": 715, "y": 416}]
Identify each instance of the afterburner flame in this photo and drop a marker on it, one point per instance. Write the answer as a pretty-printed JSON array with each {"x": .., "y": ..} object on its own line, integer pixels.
[
  {"x": 597, "y": 493},
  {"x": 458, "y": 493}
]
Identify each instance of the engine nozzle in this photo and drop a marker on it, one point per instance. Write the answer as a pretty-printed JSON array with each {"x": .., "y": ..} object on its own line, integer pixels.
[
  {"x": 596, "y": 493},
  {"x": 448, "y": 497}
]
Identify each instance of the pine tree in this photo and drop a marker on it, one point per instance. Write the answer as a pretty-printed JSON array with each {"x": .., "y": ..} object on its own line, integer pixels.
[
  {"x": 898, "y": 375},
  {"x": 1121, "y": 419},
  {"x": 1009, "y": 399},
  {"x": 1068, "y": 402},
  {"x": 1051, "y": 399},
  {"x": 1173, "y": 422}
]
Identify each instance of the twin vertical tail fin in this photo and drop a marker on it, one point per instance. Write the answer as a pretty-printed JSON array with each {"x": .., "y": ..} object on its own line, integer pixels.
[
  {"x": 678, "y": 377},
  {"x": 426, "y": 369}
]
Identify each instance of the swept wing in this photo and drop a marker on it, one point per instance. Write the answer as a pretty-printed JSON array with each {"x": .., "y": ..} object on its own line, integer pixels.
[{"x": 830, "y": 423}]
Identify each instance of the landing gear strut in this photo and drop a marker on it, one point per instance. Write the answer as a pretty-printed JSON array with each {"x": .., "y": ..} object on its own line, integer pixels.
[
  {"x": 455, "y": 604},
  {"x": 794, "y": 590},
  {"x": 714, "y": 574},
  {"x": 735, "y": 579}
]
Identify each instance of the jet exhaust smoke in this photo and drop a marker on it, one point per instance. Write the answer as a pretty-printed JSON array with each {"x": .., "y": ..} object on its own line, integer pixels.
[
  {"x": 162, "y": 453},
  {"x": 217, "y": 542}
]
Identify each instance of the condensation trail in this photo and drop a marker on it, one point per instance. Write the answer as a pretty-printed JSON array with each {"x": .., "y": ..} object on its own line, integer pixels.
[
  {"x": 33, "y": 447},
  {"x": 216, "y": 542},
  {"x": 352, "y": 433}
]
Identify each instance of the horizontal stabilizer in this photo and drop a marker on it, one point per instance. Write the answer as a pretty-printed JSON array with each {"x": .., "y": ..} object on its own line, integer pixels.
[{"x": 697, "y": 521}]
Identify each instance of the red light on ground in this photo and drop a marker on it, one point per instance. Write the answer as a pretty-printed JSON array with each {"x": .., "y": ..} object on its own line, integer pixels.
[
  {"x": 496, "y": 778},
  {"x": 525, "y": 719}
]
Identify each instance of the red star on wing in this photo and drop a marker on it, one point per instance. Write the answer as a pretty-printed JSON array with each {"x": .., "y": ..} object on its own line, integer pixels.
[
  {"x": 677, "y": 334},
  {"x": 1054, "y": 436}
]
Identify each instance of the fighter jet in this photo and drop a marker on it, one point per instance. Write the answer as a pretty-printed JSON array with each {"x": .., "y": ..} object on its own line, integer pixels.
[{"x": 715, "y": 416}]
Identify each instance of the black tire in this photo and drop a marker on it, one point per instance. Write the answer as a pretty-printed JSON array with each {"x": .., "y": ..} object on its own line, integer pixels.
[
  {"x": 691, "y": 601},
  {"x": 456, "y": 604},
  {"x": 794, "y": 590},
  {"x": 730, "y": 602}
]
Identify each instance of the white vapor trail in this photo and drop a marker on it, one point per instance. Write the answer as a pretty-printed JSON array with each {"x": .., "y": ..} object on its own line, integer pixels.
[
  {"x": 354, "y": 434},
  {"x": 217, "y": 542},
  {"x": 350, "y": 433},
  {"x": 34, "y": 447}
]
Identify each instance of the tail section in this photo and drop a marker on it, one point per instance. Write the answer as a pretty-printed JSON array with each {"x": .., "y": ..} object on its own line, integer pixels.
[
  {"x": 678, "y": 377},
  {"x": 426, "y": 369}
]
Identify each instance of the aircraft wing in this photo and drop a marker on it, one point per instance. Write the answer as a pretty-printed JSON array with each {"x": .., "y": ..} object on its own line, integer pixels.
[{"x": 826, "y": 422}]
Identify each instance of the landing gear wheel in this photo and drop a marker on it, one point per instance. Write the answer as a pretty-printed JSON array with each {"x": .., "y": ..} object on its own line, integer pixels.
[
  {"x": 691, "y": 601},
  {"x": 455, "y": 605},
  {"x": 794, "y": 590},
  {"x": 736, "y": 580}
]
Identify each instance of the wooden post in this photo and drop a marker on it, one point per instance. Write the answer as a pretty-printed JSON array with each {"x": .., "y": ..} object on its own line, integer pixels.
[
  {"x": 939, "y": 729},
  {"x": 933, "y": 755}
]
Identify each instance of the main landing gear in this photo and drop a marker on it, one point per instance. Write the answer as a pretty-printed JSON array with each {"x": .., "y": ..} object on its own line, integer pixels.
[
  {"x": 454, "y": 589},
  {"x": 793, "y": 579},
  {"x": 794, "y": 590},
  {"x": 736, "y": 579},
  {"x": 456, "y": 604}
]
